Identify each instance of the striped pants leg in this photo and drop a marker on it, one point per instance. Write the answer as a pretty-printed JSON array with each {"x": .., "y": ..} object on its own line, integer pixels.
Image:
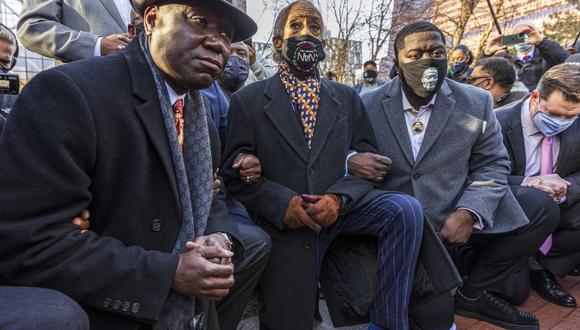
[{"x": 397, "y": 221}]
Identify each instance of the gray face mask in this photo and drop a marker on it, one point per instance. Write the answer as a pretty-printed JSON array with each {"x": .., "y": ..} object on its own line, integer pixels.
[
  {"x": 235, "y": 73},
  {"x": 424, "y": 77}
]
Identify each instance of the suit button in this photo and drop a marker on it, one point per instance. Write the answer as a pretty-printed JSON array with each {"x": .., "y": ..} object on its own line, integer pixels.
[
  {"x": 116, "y": 304},
  {"x": 311, "y": 171},
  {"x": 416, "y": 176},
  {"x": 126, "y": 306},
  {"x": 306, "y": 245},
  {"x": 107, "y": 303},
  {"x": 135, "y": 308},
  {"x": 156, "y": 225}
]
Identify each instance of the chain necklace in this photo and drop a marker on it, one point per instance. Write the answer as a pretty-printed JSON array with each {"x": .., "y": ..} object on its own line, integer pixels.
[{"x": 417, "y": 127}]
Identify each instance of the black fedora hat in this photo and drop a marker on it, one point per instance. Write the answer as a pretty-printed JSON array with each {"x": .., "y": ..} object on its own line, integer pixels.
[{"x": 244, "y": 26}]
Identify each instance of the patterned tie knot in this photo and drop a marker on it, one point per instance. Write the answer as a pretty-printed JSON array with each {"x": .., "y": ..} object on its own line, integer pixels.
[
  {"x": 178, "y": 110},
  {"x": 178, "y": 107},
  {"x": 527, "y": 58}
]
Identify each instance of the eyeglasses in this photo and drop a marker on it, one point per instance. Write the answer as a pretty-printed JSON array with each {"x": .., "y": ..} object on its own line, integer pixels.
[{"x": 470, "y": 79}]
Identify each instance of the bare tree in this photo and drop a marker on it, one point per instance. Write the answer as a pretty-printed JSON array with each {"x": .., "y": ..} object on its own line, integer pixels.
[
  {"x": 385, "y": 17},
  {"x": 347, "y": 15},
  {"x": 499, "y": 11},
  {"x": 467, "y": 7}
]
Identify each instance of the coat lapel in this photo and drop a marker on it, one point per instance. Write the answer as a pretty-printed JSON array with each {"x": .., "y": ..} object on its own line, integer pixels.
[
  {"x": 112, "y": 9},
  {"x": 393, "y": 110},
  {"x": 444, "y": 107},
  {"x": 280, "y": 112},
  {"x": 568, "y": 141},
  {"x": 515, "y": 137},
  {"x": 149, "y": 112},
  {"x": 325, "y": 118}
]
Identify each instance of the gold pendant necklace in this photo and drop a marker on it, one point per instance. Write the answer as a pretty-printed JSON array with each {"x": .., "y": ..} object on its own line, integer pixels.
[{"x": 417, "y": 127}]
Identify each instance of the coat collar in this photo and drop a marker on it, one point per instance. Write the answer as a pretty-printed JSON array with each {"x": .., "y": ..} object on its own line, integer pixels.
[
  {"x": 515, "y": 136},
  {"x": 111, "y": 7},
  {"x": 149, "y": 112},
  {"x": 444, "y": 107},
  {"x": 287, "y": 121},
  {"x": 392, "y": 109}
]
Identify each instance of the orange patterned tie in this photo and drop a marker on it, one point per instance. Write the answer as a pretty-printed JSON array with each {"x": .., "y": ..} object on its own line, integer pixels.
[{"x": 178, "y": 110}]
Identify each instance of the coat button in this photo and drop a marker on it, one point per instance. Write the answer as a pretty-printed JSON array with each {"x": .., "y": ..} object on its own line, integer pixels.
[
  {"x": 311, "y": 171},
  {"x": 107, "y": 303},
  {"x": 306, "y": 245},
  {"x": 126, "y": 306},
  {"x": 135, "y": 308},
  {"x": 416, "y": 176},
  {"x": 156, "y": 225},
  {"x": 117, "y": 304}
]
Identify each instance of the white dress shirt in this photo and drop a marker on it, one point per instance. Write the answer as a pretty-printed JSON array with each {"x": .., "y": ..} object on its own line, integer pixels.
[
  {"x": 417, "y": 139},
  {"x": 425, "y": 114},
  {"x": 530, "y": 54},
  {"x": 533, "y": 142},
  {"x": 124, "y": 8},
  {"x": 173, "y": 95}
]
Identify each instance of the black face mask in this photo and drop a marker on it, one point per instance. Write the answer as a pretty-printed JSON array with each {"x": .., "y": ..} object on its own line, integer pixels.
[
  {"x": 423, "y": 77},
  {"x": 235, "y": 73},
  {"x": 370, "y": 75},
  {"x": 303, "y": 53}
]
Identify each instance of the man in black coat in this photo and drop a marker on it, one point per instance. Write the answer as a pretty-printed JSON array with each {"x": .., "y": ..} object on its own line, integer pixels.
[
  {"x": 127, "y": 138},
  {"x": 301, "y": 128},
  {"x": 541, "y": 135}
]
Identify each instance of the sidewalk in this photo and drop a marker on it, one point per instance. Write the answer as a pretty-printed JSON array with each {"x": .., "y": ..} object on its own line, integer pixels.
[{"x": 551, "y": 316}]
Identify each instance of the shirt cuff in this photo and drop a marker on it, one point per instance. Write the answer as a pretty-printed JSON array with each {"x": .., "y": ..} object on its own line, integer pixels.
[
  {"x": 479, "y": 224},
  {"x": 97, "y": 50},
  {"x": 352, "y": 153},
  {"x": 562, "y": 200}
]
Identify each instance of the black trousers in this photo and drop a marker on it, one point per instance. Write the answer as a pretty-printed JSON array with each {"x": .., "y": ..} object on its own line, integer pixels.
[
  {"x": 565, "y": 252},
  {"x": 497, "y": 263},
  {"x": 248, "y": 268},
  {"x": 437, "y": 314},
  {"x": 24, "y": 308},
  {"x": 501, "y": 264}
]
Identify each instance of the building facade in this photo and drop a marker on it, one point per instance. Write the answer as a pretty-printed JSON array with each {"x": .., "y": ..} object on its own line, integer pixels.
[{"x": 536, "y": 12}]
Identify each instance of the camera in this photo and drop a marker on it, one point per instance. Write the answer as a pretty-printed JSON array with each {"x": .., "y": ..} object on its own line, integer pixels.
[
  {"x": 9, "y": 84},
  {"x": 513, "y": 39}
]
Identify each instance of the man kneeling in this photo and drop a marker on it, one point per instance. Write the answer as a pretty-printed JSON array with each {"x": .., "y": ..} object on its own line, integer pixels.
[{"x": 301, "y": 128}]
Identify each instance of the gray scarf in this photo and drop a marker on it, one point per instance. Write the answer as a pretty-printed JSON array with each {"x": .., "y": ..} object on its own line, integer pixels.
[{"x": 193, "y": 172}]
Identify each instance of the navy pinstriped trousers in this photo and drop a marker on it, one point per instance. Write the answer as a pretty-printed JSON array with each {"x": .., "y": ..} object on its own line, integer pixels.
[{"x": 397, "y": 221}]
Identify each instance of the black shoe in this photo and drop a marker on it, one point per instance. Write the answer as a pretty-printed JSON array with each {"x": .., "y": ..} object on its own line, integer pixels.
[
  {"x": 575, "y": 271},
  {"x": 492, "y": 309},
  {"x": 548, "y": 287}
]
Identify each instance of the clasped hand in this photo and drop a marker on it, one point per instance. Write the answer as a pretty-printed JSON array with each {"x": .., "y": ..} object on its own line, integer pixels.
[
  {"x": 313, "y": 211},
  {"x": 551, "y": 184}
]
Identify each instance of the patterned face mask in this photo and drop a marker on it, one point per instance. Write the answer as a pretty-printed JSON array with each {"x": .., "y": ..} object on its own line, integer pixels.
[{"x": 304, "y": 53}]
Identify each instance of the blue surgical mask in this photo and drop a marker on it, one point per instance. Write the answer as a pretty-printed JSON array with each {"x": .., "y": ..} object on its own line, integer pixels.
[
  {"x": 550, "y": 125},
  {"x": 520, "y": 48},
  {"x": 458, "y": 66}
]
